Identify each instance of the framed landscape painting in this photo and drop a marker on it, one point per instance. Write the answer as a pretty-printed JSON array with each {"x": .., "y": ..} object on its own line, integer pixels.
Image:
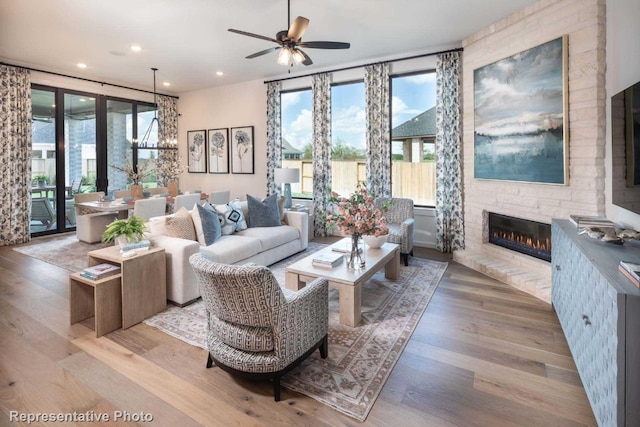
[
  {"x": 197, "y": 151},
  {"x": 520, "y": 116},
  {"x": 218, "y": 150},
  {"x": 242, "y": 150}
]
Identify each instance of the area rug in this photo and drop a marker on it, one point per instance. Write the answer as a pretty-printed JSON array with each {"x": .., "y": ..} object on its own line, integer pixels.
[
  {"x": 66, "y": 251},
  {"x": 360, "y": 359}
]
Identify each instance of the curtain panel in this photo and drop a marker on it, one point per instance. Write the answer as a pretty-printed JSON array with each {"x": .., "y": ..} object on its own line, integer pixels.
[
  {"x": 321, "y": 92},
  {"x": 449, "y": 214},
  {"x": 167, "y": 131},
  {"x": 274, "y": 135},
  {"x": 378, "y": 144},
  {"x": 15, "y": 158}
]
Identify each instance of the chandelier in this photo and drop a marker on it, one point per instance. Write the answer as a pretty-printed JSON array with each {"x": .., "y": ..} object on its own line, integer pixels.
[{"x": 144, "y": 142}]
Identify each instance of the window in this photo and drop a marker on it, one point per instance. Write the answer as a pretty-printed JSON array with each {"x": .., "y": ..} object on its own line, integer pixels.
[
  {"x": 348, "y": 142},
  {"x": 413, "y": 128},
  {"x": 297, "y": 133}
]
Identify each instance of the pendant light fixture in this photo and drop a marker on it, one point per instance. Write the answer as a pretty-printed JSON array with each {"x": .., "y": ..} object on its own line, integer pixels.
[{"x": 144, "y": 142}]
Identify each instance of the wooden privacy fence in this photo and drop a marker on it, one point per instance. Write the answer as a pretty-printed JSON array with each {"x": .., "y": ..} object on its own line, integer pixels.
[{"x": 412, "y": 180}]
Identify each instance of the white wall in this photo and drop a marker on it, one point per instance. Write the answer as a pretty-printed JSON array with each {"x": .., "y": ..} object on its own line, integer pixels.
[
  {"x": 238, "y": 105},
  {"x": 623, "y": 70}
]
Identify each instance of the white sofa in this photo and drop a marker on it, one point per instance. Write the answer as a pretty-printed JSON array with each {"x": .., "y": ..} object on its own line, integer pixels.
[{"x": 260, "y": 245}]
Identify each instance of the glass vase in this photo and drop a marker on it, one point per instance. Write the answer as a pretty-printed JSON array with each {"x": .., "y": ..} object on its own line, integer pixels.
[{"x": 355, "y": 257}]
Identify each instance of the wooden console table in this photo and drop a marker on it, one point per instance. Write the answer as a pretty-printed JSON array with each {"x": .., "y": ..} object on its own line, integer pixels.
[{"x": 122, "y": 300}]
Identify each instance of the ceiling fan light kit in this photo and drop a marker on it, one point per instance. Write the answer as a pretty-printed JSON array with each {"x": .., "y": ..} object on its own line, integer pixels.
[{"x": 289, "y": 42}]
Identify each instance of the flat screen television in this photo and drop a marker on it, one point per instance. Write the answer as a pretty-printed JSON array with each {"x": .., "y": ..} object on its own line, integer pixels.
[{"x": 625, "y": 138}]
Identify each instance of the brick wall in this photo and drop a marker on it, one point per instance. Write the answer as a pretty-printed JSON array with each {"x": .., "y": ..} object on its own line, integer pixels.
[{"x": 583, "y": 21}]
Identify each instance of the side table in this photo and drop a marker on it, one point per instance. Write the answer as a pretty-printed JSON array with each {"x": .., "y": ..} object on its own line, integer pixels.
[{"x": 140, "y": 288}]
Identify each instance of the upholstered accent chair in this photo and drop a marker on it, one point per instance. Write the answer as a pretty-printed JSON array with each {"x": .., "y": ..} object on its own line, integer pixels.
[
  {"x": 119, "y": 194},
  {"x": 219, "y": 197},
  {"x": 90, "y": 224},
  {"x": 148, "y": 208},
  {"x": 185, "y": 200},
  {"x": 157, "y": 190},
  {"x": 400, "y": 222},
  {"x": 258, "y": 330}
]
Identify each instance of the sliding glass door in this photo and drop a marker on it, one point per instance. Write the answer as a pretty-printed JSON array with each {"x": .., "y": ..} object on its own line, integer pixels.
[{"x": 76, "y": 138}]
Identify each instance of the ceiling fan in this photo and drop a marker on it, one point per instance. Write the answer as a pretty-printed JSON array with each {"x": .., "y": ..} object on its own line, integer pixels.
[{"x": 290, "y": 41}]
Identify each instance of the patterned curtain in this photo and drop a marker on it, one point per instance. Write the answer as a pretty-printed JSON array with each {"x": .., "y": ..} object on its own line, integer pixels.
[
  {"x": 167, "y": 131},
  {"x": 274, "y": 136},
  {"x": 376, "y": 83},
  {"x": 321, "y": 89},
  {"x": 15, "y": 158},
  {"x": 449, "y": 215}
]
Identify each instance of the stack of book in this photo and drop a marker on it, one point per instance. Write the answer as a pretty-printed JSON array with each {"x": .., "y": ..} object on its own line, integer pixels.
[
  {"x": 327, "y": 260},
  {"x": 142, "y": 245},
  {"x": 298, "y": 207},
  {"x": 587, "y": 221},
  {"x": 631, "y": 270},
  {"x": 100, "y": 271}
]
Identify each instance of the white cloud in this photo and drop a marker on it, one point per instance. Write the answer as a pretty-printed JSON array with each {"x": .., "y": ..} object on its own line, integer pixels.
[
  {"x": 401, "y": 111},
  {"x": 300, "y": 131},
  {"x": 350, "y": 125},
  {"x": 289, "y": 99},
  {"x": 422, "y": 79}
]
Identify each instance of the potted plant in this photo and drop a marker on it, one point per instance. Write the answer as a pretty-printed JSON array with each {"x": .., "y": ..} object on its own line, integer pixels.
[
  {"x": 169, "y": 170},
  {"x": 41, "y": 180},
  {"x": 124, "y": 231}
]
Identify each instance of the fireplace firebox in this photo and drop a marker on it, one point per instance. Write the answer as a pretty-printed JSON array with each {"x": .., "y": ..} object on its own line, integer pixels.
[{"x": 521, "y": 235}]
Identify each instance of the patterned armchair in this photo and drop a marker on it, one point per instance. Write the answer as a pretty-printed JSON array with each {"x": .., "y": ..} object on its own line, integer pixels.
[
  {"x": 258, "y": 330},
  {"x": 400, "y": 222}
]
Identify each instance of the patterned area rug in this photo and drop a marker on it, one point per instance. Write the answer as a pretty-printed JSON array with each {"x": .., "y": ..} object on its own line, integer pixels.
[
  {"x": 360, "y": 359},
  {"x": 66, "y": 252}
]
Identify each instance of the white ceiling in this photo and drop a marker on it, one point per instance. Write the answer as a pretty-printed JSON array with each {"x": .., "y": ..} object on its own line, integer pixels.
[{"x": 188, "y": 41}]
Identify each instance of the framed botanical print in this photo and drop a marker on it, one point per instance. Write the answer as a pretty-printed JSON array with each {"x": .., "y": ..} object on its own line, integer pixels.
[
  {"x": 197, "y": 151},
  {"x": 218, "y": 150},
  {"x": 242, "y": 150}
]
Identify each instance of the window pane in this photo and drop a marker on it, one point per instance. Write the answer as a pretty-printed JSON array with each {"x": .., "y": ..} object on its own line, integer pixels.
[
  {"x": 43, "y": 166},
  {"x": 119, "y": 135},
  {"x": 348, "y": 130},
  {"x": 80, "y": 139},
  {"x": 413, "y": 124},
  {"x": 146, "y": 113},
  {"x": 297, "y": 131}
]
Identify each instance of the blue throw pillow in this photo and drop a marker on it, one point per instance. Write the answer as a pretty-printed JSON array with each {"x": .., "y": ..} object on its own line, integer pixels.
[
  {"x": 210, "y": 223},
  {"x": 263, "y": 213}
]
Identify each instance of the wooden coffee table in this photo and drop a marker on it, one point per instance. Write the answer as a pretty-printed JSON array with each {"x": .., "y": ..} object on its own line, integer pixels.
[{"x": 348, "y": 282}]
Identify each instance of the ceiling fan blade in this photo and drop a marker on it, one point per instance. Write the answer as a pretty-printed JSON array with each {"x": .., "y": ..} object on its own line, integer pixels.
[
  {"x": 325, "y": 45},
  {"x": 298, "y": 28},
  {"x": 257, "y": 36},
  {"x": 263, "y": 52},
  {"x": 307, "y": 60}
]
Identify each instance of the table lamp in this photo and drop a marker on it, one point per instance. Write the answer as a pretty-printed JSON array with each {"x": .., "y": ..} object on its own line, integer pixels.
[{"x": 287, "y": 176}]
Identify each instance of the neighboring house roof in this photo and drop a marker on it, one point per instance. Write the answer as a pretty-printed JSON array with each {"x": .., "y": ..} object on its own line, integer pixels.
[
  {"x": 289, "y": 149},
  {"x": 422, "y": 125}
]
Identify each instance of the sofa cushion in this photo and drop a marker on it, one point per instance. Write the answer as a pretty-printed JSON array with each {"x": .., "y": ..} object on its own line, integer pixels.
[
  {"x": 230, "y": 249},
  {"x": 231, "y": 217},
  {"x": 207, "y": 224},
  {"x": 263, "y": 213},
  {"x": 180, "y": 225},
  {"x": 271, "y": 237}
]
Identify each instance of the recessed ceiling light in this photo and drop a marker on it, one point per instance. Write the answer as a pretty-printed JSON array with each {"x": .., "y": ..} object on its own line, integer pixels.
[
  {"x": 219, "y": 73},
  {"x": 136, "y": 48},
  {"x": 82, "y": 65},
  {"x": 166, "y": 84}
]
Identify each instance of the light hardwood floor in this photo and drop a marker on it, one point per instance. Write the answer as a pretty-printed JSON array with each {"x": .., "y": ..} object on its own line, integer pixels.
[{"x": 483, "y": 354}]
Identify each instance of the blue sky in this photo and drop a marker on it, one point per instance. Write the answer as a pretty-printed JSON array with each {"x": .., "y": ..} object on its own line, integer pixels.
[{"x": 412, "y": 95}]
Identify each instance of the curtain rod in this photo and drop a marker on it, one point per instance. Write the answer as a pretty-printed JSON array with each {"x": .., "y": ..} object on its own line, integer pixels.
[
  {"x": 84, "y": 79},
  {"x": 353, "y": 67}
]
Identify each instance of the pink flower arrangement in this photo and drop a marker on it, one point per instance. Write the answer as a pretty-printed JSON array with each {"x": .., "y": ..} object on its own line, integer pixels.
[{"x": 357, "y": 214}]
